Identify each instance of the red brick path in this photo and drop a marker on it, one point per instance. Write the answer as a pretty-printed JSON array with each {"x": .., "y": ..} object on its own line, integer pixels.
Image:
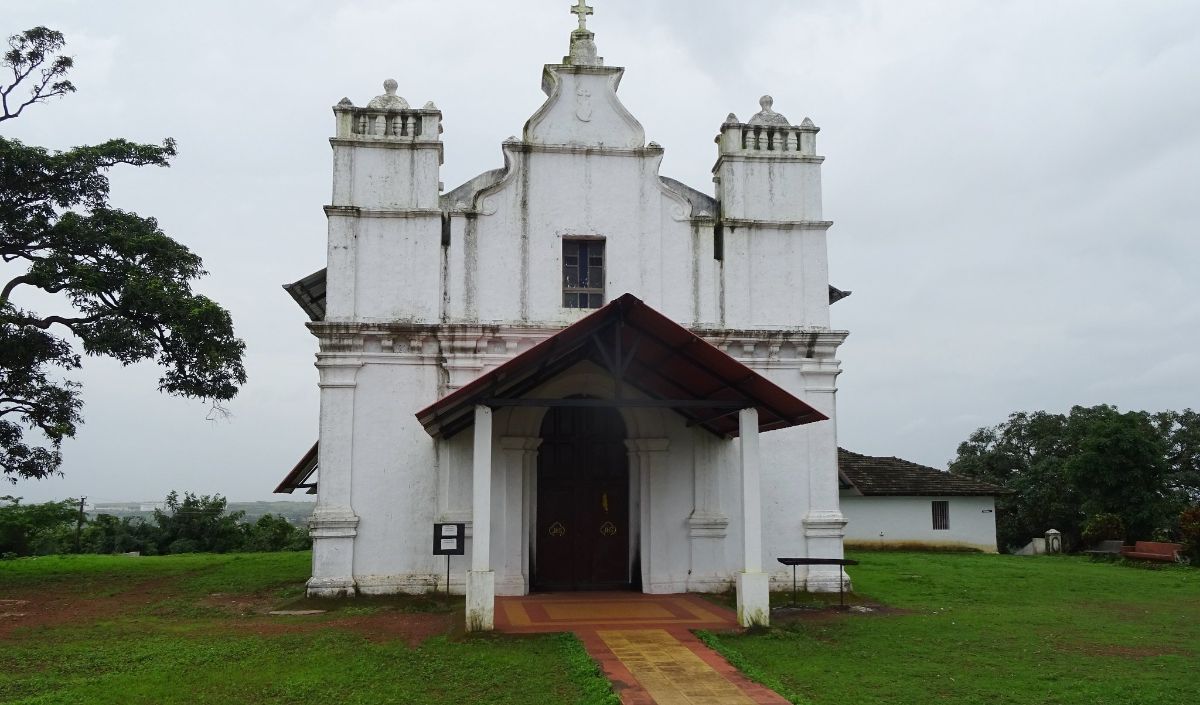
[{"x": 650, "y": 630}]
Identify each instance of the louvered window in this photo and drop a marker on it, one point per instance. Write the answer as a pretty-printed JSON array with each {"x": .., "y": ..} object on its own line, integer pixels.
[{"x": 941, "y": 515}]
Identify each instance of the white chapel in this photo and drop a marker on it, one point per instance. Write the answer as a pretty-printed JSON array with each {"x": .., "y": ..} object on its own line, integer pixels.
[{"x": 615, "y": 381}]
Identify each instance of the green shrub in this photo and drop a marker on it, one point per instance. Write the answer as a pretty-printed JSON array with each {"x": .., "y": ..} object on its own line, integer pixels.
[
  {"x": 1103, "y": 527},
  {"x": 184, "y": 546},
  {"x": 1189, "y": 529}
]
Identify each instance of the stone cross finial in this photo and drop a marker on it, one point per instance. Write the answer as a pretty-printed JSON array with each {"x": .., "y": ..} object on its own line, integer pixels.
[{"x": 583, "y": 10}]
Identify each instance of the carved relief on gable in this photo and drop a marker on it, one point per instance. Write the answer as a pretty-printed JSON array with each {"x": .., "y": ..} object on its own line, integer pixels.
[{"x": 583, "y": 110}]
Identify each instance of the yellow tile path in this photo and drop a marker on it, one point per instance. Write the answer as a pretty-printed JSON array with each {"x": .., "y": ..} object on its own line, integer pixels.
[{"x": 669, "y": 671}]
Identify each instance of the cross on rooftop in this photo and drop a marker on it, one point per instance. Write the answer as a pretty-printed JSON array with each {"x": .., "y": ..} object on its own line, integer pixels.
[{"x": 583, "y": 10}]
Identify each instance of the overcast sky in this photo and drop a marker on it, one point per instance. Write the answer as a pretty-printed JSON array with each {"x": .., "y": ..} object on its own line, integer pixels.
[{"x": 1015, "y": 187}]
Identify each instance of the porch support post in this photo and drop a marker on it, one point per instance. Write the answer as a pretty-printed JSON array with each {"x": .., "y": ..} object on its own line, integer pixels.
[
  {"x": 481, "y": 580},
  {"x": 753, "y": 585}
]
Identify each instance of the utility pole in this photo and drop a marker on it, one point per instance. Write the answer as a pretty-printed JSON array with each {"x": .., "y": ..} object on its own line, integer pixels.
[{"x": 79, "y": 523}]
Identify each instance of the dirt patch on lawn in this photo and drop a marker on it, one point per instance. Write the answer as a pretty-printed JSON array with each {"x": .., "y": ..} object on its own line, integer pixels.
[
  {"x": 1123, "y": 611},
  {"x": 800, "y": 615},
  {"x": 240, "y": 605},
  {"x": 219, "y": 613},
  {"x": 51, "y": 607},
  {"x": 1127, "y": 651},
  {"x": 412, "y": 629}
]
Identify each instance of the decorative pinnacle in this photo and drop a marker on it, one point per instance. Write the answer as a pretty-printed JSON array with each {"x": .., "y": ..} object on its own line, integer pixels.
[
  {"x": 583, "y": 10},
  {"x": 768, "y": 116},
  {"x": 389, "y": 100}
]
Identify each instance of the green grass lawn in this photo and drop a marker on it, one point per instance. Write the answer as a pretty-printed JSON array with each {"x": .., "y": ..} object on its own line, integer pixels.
[
  {"x": 116, "y": 630},
  {"x": 974, "y": 628},
  {"x": 956, "y": 628}
]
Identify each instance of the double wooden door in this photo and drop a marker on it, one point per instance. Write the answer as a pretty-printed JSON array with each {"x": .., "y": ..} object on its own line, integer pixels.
[{"x": 582, "y": 502}]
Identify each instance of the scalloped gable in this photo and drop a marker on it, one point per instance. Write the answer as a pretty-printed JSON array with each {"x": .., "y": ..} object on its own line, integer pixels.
[{"x": 583, "y": 110}]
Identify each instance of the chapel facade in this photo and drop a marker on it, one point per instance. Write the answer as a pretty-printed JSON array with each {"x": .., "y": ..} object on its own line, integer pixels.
[{"x": 614, "y": 380}]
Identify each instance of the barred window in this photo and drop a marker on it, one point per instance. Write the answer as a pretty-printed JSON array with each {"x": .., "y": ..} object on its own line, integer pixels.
[
  {"x": 583, "y": 273},
  {"x": 941, "y": 515}
]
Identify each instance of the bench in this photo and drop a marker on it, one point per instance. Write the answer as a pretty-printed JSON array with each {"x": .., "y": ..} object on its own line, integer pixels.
[
  {"x": 843, "y": 562},
  {"x": 1153, "y": 551},
  {"x": 1106, "y": 549}
]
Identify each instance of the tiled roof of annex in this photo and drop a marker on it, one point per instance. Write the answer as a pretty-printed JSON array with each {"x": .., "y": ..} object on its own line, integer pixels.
[{"x": 895, "y": 477}]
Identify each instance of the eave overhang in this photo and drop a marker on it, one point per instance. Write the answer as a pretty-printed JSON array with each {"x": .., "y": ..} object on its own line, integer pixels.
[{"x": 668, "y": 365}]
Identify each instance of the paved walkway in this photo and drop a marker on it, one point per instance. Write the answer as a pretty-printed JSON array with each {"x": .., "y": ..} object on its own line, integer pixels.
[{"x": 643, "y": 643}]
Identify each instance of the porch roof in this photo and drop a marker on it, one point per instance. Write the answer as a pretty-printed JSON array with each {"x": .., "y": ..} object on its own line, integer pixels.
[
  {"x": 301, "y": 475},
  {"x": 667, "y": 363}
]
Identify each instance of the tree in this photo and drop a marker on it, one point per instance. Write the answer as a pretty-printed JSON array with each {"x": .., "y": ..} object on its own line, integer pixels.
[
  {"x": 27, "y": 529},
  {"x": 197, "y": 524},
  {"x": 1119, "y": 467},
  {"x": 108, "y": 534},
  {"x": 1189, "y": 530},
  {"x": 1063, "y": 468},
  {"x": 1181, "y": 430},
  {"x": 28, "y": 52},
  {"x": 1025, "y": 455},
  {"x": 127, "y": 283},
  {"x": 274, "y": 533}
]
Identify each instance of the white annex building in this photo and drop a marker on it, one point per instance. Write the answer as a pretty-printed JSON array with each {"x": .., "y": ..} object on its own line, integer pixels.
[
  {"x": 614, "y": 380},
  {"x": 891, "y": 502}
]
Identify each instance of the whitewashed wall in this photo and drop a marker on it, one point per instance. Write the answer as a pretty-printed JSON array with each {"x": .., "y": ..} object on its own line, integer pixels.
[
  {"x": 904, "y": 519},
  {"x": 425, "y": 294}
]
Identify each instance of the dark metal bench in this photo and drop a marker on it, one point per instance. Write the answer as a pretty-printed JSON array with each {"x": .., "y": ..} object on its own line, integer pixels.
[
  {"x": 1106, "y": 549},
  {"x": 842, "y": 562}
]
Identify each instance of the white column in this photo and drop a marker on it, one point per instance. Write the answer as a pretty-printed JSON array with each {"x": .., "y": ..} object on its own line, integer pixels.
[
  {"x": 751, "y": 492},
  {"x": 334, "y": 523},
  {"x": 753, "y": 585},
  {"x": 481, "y": 506},
  {"x": 481, "y": 580}
]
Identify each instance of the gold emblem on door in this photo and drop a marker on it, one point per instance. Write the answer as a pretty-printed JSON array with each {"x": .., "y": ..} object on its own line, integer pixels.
[
  {"x": 608, "y": 529},
  {"x": 557, "y": 529}
]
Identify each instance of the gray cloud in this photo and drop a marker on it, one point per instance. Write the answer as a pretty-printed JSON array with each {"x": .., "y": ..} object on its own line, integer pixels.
[{"x": 1013, "y": 185}]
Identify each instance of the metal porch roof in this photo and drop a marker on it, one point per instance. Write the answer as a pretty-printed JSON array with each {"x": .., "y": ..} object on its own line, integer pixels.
[{"x": 298, "y": 478}]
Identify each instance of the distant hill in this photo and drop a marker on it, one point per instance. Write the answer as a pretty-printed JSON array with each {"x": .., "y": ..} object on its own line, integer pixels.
[{"x": 295, "y": 512}]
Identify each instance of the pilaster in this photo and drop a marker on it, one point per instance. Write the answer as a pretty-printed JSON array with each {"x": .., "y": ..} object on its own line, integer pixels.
[
  {"x": 519, "y": 455},
  {"x": 824, "y": 524},
  {"x": 708, "y": 526},
  {"x": 334, "y": 523},
  {"x": 647, "y": 460}
]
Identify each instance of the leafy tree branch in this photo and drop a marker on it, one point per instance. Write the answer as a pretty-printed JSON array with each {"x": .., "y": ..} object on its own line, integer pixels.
[
  {"x": 30, "y": 51},
  {"x": 128, "y": 283}
]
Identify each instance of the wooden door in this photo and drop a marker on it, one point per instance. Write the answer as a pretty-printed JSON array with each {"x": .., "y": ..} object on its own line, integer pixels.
[{"x": 582, "y": 502}]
